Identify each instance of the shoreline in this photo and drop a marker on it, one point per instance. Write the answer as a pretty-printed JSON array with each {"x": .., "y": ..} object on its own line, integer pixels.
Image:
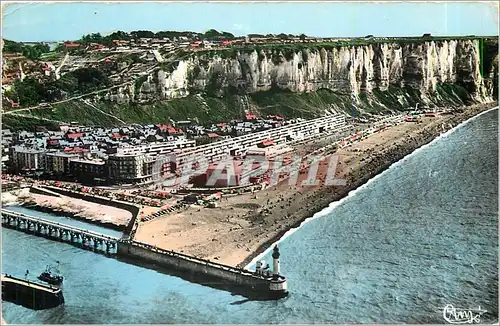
[
  {"x": 395, "y": 157},
  {"x": 77, "y": 209},
  {"x": 243, "y": 227}
]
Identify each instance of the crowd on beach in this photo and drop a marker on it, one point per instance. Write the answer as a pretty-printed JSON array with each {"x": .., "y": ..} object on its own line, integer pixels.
[
  {"x": 13, "y": 178},
  {"x": 152, "y": 194},
  {"x": 103, "y": 193}
]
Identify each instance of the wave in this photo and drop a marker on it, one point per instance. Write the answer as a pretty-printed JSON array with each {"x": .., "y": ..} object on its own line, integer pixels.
[{"x": 331, "y": 207}]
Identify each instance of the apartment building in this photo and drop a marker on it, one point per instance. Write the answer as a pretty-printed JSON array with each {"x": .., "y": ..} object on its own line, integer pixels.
[
  {"x": 154, "y": 149},
  {"x": 238, "y": 146},
  {"x": 88, "y": 169},
  {"x": 130, "y": 168},
  {"x": 24, "y": 159},
  {"x": 58, "y": 162}
]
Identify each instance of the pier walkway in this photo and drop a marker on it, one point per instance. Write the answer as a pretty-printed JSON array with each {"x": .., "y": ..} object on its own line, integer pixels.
[
  {"x": 203, "y": 263},
  {"x": 61, "y": 232}
]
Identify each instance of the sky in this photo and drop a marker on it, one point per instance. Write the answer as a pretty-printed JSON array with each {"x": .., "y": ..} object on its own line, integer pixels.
[{"x": 69, "y": 21}]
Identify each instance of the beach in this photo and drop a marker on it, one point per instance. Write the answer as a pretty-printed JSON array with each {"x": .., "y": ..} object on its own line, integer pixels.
[
  {"x": 431, "y": 240},
  {"x": 243, "y": 226},
  {"x": 72, "y": 207}
]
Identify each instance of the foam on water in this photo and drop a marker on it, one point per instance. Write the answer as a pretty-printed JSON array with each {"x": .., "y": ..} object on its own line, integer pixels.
[
  {"x": 422, "y": 237},
  {"x": 333, "y": 205}
]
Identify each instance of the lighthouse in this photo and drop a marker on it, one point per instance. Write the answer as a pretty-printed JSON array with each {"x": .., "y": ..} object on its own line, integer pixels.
[
  {"x": 277, "y": 284},
  {"x": 276, "y": 261}
]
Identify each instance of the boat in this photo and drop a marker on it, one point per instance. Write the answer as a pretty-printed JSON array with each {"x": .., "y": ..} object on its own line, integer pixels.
[{"x": 50, "y": 277}]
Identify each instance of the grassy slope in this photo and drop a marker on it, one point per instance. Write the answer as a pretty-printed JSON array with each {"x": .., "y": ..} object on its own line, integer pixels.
[
  {"x": 209, "y": 109},
  {"x": 212, "y": 110}
]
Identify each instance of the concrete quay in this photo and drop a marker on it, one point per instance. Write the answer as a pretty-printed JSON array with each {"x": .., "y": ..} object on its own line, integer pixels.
[
  {"x": 253, "y": 285},
  {"x": 29, "y": 294}
]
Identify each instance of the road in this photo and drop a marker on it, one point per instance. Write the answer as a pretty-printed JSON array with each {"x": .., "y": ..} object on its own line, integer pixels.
[
  {"x": 66, "y": 57},
  {"x": 49, "y": 105},
  {"x": 105, "y": 113},
  {"x": 158, "y": 56},
  {"x": 20, "y": 115}
]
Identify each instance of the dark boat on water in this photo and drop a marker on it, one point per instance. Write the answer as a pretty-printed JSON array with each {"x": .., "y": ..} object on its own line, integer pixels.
[{"x": 50, "y": 277}]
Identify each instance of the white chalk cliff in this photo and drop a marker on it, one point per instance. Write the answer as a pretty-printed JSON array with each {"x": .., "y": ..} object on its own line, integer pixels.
[{"x": 348, "y": 70}]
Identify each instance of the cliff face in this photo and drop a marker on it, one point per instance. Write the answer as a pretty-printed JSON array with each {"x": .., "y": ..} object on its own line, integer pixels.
[{"x": 350, "y": 70}]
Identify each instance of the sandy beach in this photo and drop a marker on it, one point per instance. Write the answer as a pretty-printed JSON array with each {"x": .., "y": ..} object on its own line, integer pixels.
[
  {"x": 76, "y": 208},
  {"x": 243, "y": 226}
]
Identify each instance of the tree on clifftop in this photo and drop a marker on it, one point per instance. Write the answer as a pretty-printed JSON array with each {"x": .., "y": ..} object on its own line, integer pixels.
[
  {"x": 34, "y": 52},
  {"x": 118, "y": 35},
  {"x": 142, "y": 34},
  {"x": 12, "y": 47},
  {"x": 91, "y": 38},
  {"x": 213, "y": 34}
]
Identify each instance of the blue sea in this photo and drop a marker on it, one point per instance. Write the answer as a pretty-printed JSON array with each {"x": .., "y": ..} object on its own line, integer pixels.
[{"x": 420, "y": 236}]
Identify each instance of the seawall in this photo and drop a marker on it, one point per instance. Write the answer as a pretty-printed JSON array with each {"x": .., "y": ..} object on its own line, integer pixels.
[
  {"x": 202, "y": 271},
  {"x": 30, "y": 295},
  {"x": 46, "y": 192}
]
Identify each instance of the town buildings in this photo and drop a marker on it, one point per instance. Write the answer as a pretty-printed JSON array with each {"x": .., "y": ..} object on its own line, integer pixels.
[{"x": 139, "y": 154}]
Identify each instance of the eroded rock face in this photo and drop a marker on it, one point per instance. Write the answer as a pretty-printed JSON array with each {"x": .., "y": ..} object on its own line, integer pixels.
[{"x": 347, "y": 70}]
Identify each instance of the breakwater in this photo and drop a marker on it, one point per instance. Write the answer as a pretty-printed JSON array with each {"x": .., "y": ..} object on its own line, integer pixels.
[
  {"x": 237, "y": 280},
  {"x": 30, "y": 295},
  {"x": 269, "y": 286}
]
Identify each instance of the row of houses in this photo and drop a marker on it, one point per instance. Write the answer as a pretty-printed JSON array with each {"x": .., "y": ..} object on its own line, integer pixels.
[
  {"x": 132, "y": 154},
  {"x": 127, "y": 164},
  {"x": 238, "y": 146},
  {"x": 85, "y": 153}
]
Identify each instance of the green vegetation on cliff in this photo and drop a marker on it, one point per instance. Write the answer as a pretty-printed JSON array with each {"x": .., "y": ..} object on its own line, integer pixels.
[
  {"x": 32, "y": 52},
  {"x": 30, "y": 92},
  {"x": 207, "y": 109}
]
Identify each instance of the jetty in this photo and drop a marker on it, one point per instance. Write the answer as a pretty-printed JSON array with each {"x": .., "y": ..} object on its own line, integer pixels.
[
  {"x": 262, "y": 284},
  {"x": 259, "y": 285},
  {"x": 57, "y": 231},
  {"x": 30, "y": 294}
]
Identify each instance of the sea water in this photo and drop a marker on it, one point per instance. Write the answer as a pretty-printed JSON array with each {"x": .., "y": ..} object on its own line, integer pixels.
[{"x": 420, "y": 236}]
